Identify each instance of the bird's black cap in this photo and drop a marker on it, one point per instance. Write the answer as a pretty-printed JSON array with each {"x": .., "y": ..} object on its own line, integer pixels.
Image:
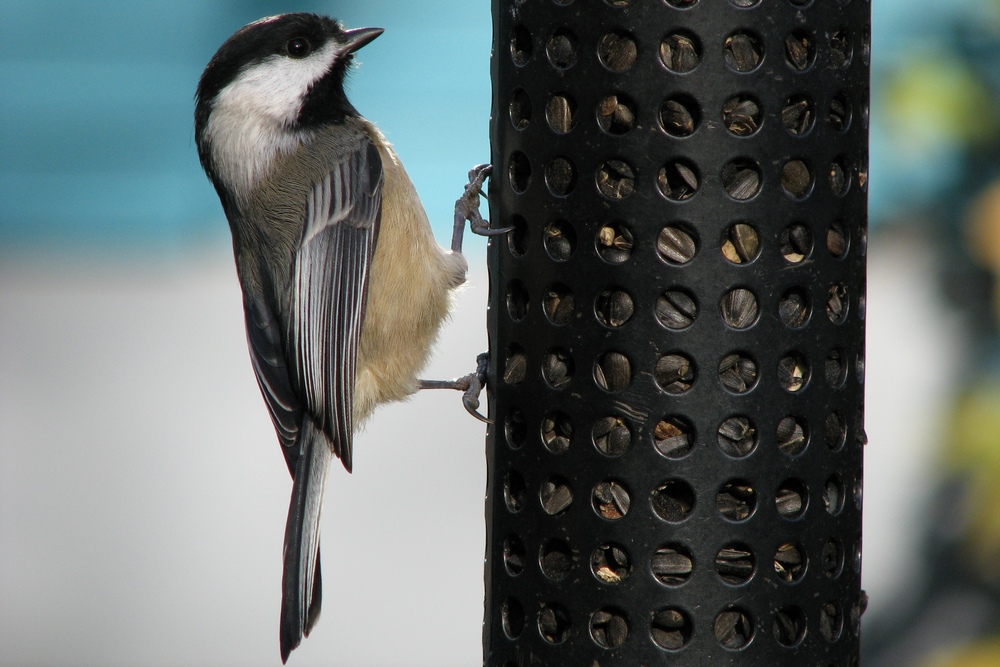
[{"x": 272, "y": 36}]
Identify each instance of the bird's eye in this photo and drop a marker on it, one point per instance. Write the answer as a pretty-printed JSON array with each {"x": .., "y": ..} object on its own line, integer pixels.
[{"x": 298, "y": 47}]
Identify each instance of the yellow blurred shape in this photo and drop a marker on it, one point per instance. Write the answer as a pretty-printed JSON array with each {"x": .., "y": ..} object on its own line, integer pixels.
[
  {"x": 985, "y": 654},
  {"x": 982, "y": 228},
  {"x": 973, "y": 451},
  {"x": 935, "y": 101}
]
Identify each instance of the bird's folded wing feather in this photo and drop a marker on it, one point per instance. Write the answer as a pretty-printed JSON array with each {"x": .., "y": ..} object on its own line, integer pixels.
[
  {"x": 330, "y": 285},
  {"x": 268, "y": 358},
  {"x": 330, "y": 282}
]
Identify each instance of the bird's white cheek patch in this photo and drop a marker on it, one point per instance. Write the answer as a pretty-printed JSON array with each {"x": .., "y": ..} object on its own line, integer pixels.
[
  {"x": 276, "y": 86},
  {"x": 250, "y": 118}
]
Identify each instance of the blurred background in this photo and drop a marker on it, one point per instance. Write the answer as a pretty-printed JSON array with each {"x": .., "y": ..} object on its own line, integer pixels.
[{"x": 142, "y": 495}]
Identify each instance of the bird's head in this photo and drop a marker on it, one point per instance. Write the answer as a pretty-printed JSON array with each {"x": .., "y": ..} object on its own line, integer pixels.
[{"x": 273, "y": 80}]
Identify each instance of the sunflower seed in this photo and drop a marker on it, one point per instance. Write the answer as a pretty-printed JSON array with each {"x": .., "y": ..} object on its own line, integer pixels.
[
  {"x": 838, "y": 116},
  {"x": 553, "y": 624},
  {"x": 615, "y": 179},
  {"x": 679, "y": 53},
  {"x": 558, "y": 241},
  {"x": 676, "y": 118},
  {"x": 561, "y": 49},
  {"x": 742, "y": 52},
  {"x": 670, "y": 628},
  {"x": 672, "y": 437},
  {"x": 734, "y": 564},
  {"x": 676, "y": 245},
  {"x": 612, "y": 436},
  {"x": 672, "y": 565},
  {"x": 557, "y": 368},
  {"x": 557, "y": 431},
  {"x": 610, "y": 563},
  {"x": 831, "y": 622},
  {"x": 674, "y": 373},
  {"x": 677, "y": 180},
  {"x": 520, "y": 109},
  {"x": 793, "y": 309},
  {"x": 789, "y": 562},
  {"x": 795, "y": 243},
  {"x": 796, "y": 178},
  {"x": 789, "y": 501},
  {"x": 737, "y": 436},
  {"x": 836, "y": 303},
  {"x": 559, "y": 304},
  {"x": 739, "y": 308},
  {"x": 792, "y": 372},
  {"x": 673, "y": 500},
  {"x": 737, "y": 372},
  {"x": 741, "y": 179},
  {"x": 675, "y": 309},
  {"x": 741, "y": 115},
  {"x": 798, "y": 50},
  {"x": 559, "y": 113},
  {"x": 556, "y": 496},
  {"x": 515, "y": 369},
  {"x": 833, "y": 495},
  {"x": 617, "y": 51},
  {"x": 613, "y": 371},
  {"x": 614, "y": 243},
  {"x": 789, "y": 626},
  {"x": 797, "y": 115},
  {"x": 615, "y": 114},
  {"x": 614, "y": 307},
  {"x": 513, "y": 554},
  {"x": 733, "y": 629},
  {"x": 609, "y": 628},
  {"x": 791, "y": 436},
  {"x": 836, "y": 240},
  {"x": 840, "y": 48},
  {"x": 736, "y": 500},
  {"x": 557, "y": 559},
  {"x": 611, "y": 500}
]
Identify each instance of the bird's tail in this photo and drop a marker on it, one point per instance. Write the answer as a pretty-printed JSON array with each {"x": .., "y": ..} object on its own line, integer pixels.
[{"x": 301, "y": 586}]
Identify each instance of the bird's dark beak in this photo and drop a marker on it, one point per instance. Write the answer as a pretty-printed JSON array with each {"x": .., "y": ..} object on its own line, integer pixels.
[{"x": 360, "y": 36}]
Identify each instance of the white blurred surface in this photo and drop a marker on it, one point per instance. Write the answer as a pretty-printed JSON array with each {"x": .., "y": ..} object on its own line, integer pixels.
[
  {"x": 914, "y": 354},
  {"x": 143, "y": 494}
]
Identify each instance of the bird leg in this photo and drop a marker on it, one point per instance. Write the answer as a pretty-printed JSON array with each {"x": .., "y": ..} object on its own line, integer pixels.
[
  {"x": 467, "y": 208},
  {"x": 472, "y": 384}
]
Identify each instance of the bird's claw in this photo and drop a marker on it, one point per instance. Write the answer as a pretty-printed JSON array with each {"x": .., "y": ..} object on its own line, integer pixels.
[
  {"x": 467, "y": 208},
  {"x": 470, "y": 399},
  {"x": 477, "y": 176},
  {"x": 477, "y": 381},
  {"x": 471, "y": 385}
]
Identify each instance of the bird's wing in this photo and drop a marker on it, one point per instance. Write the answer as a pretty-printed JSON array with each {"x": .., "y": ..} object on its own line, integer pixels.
[
  {"x": 329, "y": 282},
  {"x": 326, "y": 311},
  {"x": 268, "y": 358},
  {"x": 330, "y": 287}
]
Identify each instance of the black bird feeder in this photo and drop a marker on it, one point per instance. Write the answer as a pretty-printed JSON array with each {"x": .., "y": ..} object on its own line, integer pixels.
[{"x": 677, "y": 332}]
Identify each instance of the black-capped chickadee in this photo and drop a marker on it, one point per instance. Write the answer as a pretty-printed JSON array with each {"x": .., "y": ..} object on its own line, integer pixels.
[{"x": 344, "y": 287}]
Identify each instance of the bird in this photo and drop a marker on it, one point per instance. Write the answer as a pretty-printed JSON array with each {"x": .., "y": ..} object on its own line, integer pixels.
[{"x": 344, "y": 286}]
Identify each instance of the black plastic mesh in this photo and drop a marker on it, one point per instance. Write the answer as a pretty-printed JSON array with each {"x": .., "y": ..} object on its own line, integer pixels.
[{"x": 677, "y": 332}]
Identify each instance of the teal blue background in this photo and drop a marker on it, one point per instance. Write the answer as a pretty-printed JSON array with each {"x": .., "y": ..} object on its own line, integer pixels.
[{"x": 96, "y": 99}]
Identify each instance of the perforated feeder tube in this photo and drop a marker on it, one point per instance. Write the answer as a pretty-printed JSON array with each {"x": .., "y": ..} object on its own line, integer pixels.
[{"x": 677, "y": 332}]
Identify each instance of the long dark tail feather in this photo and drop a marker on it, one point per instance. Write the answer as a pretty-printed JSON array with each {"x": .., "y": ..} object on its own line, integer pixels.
[
  {"x": 301, "y": 581},
  {"x": 317, "y": 598}
]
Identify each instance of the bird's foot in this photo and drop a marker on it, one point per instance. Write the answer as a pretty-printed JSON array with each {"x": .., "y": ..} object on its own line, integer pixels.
[
  {"x": 467, "y": 208},
  {"x": 472, "y": 385}
]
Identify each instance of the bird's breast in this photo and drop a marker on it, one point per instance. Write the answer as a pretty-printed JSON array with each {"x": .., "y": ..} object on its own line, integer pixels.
[{"x": 408, "y": 295}]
